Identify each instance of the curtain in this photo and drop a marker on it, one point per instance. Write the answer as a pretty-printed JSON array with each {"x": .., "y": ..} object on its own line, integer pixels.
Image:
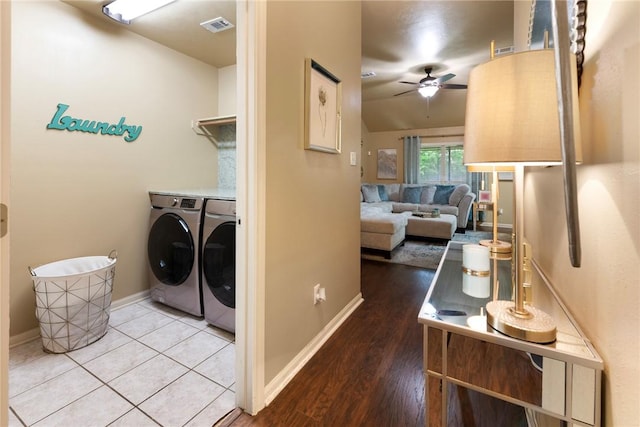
[{"x": 411, "y": 159}]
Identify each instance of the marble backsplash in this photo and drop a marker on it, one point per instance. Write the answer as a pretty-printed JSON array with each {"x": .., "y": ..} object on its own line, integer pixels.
[{"x": 227, "y": 156}]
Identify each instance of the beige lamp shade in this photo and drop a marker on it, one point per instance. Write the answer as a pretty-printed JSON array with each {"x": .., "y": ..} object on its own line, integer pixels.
[{"x": 512, "y": 111}]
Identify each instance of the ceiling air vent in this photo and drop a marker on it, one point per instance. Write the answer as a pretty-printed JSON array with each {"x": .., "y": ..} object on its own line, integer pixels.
[
  {"x": 367, "y": 74},
  {"x": 216, "y": 25}
]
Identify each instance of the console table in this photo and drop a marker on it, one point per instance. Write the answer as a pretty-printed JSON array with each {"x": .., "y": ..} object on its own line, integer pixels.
[
  {"x": 480, "y": 207},
  {"x": 465, "y": 360}
]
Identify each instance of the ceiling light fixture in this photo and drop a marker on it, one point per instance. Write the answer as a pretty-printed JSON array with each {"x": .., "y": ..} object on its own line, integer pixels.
[
  {"x": 428, "y": 91},
  {"x": 124, "y": 11}
]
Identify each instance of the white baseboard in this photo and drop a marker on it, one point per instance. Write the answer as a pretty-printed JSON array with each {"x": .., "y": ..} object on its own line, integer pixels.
[
  {"x": 30, "y": 335},
  {"x": 286, "y": 375},
  {"x": 34, "y": 334},
  {"x": 131, "y": 299}
]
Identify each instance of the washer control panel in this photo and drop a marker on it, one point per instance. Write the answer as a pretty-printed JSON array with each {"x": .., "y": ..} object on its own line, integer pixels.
[
  {"x": 164, "y": 201},
  {"x": 188, "y": 203}
]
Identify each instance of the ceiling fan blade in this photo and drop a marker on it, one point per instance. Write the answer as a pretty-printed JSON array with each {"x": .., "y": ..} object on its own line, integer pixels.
[
  {"x": 406, "y": 91},
  {"x": 452, "y": 86},
  {"x": 444, "y": 78},
  {"x": 409, "y": 83}
]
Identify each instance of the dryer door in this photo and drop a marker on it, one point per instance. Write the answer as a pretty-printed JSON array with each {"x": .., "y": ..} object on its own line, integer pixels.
[
  {"x": 170, "y": 249},
  {"x": 219, "y": 263}
]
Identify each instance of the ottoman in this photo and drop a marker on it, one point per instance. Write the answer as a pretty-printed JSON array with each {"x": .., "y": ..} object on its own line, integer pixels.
[
  {"x": 443, "y": 227},
  {"x": 382, "y": 232}
]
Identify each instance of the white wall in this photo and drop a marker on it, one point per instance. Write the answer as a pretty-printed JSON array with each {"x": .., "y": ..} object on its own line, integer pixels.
[
  {"x": 604, "y": 294},
  {"x": 77, "y": 194}
]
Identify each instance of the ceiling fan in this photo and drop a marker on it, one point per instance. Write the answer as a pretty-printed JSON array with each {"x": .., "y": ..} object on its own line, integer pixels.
[{"x": 429, "y": 85}]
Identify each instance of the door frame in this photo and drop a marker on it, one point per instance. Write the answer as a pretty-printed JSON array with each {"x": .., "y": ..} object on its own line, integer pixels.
[
  {"x": 5, "y": 122},
  {"x": 250, "y": 204}
]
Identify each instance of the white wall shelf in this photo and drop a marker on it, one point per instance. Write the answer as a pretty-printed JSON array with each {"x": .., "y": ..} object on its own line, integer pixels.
[{"x": 219, "y": 130}]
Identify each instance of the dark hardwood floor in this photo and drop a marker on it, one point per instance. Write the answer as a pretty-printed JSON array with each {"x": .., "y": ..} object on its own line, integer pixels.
[{"x": 369, "y": 373}]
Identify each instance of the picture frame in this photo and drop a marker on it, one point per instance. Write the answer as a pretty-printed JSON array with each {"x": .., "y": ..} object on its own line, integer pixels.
[
  {"x": 484, "y": 196},
  {"x": 323, "y": 109},
  {"x": 387, "y": 163}
]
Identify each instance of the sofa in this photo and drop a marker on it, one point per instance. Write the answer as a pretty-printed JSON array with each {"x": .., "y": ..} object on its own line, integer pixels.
[{"x": 389, "y": 213}]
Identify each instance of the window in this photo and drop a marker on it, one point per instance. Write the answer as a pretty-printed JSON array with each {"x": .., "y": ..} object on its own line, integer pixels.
[{"x": 442, "y": 164}]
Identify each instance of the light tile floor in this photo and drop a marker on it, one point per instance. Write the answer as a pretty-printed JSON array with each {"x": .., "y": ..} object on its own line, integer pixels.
[{"x": 155, "y": 366}]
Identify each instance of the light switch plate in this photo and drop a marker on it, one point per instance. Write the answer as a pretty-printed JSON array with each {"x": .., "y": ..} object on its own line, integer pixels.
[{"x": 353, "y": 158}]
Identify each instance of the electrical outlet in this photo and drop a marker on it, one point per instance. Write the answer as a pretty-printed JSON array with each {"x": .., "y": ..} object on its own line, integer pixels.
[
  {"x": 319, "y": 294},
  {"x": 316, "y": 291}
]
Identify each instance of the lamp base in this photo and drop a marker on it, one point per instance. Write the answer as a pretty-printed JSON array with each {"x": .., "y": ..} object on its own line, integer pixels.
[
  {"x": 535, "y": 325},
  {"x": 497, "y": 246}
]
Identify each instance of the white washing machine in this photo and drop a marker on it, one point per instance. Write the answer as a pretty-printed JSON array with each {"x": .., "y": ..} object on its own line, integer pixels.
[
  {"x": 219, "y": 263},
  {"x": 173, "y": 250}
]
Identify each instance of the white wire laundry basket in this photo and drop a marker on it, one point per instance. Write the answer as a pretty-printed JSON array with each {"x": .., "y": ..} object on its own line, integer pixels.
[{"x": 73, "y": 300}]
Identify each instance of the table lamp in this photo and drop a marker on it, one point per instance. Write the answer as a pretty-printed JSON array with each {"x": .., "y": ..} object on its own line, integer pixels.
[{"x": 512, "y": 120}]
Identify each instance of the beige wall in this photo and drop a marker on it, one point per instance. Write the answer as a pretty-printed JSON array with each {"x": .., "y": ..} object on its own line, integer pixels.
[
  {"x": 312, "y": 220},
  {"x": 505, "y": 202},
  {"x": 75, "y": 194},
  {"x": 375, "y": 141},
  {"x": 227, "y": 83},
  {"x": 604, "y": 294}
]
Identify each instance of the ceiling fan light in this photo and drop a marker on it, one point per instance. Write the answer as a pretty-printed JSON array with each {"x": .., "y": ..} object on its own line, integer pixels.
[
  {"x": 124, "y": 11},
  {"x": 428, "y": 91}
]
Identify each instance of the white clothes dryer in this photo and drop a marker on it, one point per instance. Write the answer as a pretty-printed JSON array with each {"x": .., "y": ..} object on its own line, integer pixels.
[
  {"x": 173, "y": 251},
  {"x": 219, "y": 263}
]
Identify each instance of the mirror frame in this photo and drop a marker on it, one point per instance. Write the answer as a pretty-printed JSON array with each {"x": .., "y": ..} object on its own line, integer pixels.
[
  {"x": 541, "y": 22},
  {"x": 568, "y": 23}
]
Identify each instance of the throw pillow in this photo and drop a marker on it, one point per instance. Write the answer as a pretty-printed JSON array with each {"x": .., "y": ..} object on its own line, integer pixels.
[
  {"x": 427, "y": 195},
  {"x": 458, "y": 194},
  {"x": 370, "y": 193},
  {"x": 443, "y": 192},
  {"x": 382, "y": 191},
  {"x": 411, "y": 194}
]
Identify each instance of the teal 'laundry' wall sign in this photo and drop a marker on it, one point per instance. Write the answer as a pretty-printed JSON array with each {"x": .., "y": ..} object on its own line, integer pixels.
[{"x": 72, "y": 124}]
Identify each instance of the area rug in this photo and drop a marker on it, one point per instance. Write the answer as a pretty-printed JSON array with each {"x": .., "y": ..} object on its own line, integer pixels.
[{"x": 427, "y": 254}]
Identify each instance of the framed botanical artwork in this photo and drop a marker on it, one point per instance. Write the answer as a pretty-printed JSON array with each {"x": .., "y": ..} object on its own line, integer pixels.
[
  {"x": 387, "y": 163},
  {"x": 323, "y": 109}
]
